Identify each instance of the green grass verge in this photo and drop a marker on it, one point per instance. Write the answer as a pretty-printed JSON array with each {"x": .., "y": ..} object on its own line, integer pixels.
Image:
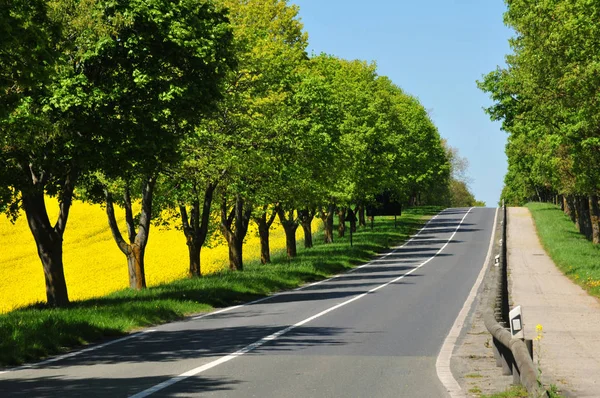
[
  {"x": 521, "y": 392},
  {"x": 35, "y": 332},
  {"x": 572, "y": 253},
  {"x": 512, "y": 392}
]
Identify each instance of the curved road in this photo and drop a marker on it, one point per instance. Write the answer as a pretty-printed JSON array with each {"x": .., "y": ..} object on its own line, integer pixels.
[{"x": 373, "y": 332}]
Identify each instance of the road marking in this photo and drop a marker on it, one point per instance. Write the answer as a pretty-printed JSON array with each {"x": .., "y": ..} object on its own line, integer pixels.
[
  {"x": 324, "y": 280},
  {"x": 276, "y": 335},
  {"x": 135, "y": 335},
  {"x": 442, "y": 364}
]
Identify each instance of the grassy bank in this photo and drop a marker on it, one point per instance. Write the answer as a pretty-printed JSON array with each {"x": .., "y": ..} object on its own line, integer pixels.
[
  {"x": 577, "y": 257},
  {"x": 35, "y": 332}
]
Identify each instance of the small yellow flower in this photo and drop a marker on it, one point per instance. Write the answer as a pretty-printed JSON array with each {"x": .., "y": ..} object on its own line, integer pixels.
[{"x": 539, "y": 329}]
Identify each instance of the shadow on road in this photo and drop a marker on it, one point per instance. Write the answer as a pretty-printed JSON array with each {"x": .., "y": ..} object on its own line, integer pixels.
[{"x": 46, "y": 387}]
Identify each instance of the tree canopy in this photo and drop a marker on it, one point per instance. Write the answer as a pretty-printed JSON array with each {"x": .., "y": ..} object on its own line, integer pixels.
[
  {"x": 547, "y": 100},
  {"x": 210, "y": 109}
]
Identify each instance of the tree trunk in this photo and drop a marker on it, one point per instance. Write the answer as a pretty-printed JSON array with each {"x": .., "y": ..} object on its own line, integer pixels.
[
  {"x": 195, "y": 228},
  {"x": 577, "y": 213},
  {"x": 49, "y": 248},
  {"x": 194, "y": 249},
  {"x": 48, "y": 238},
  {"x": 235, "y": 254},
  {"x": 586, "y": 222},
  {"x": 561, "y": 200},
  {"x": 136, "y": 248},
  {"x": 341, "y": 222},
  {"x": 290, "y": 225},
  {"x": 571, "y": 208},
  {"x": 582, "y": 220},
  {"x": 362, "y": 221},
  {"x": 135, "y": 265},
  {"x": 306, "y": 217},
  {"x": 290, "y": 242},
  {"x": 595, "y": 218},
  {"x": 234, "y": 227},
  {"x": 264, "y": 225},
  {"x": 327, "y": 218},
  {"x": 265, "y": 250}
]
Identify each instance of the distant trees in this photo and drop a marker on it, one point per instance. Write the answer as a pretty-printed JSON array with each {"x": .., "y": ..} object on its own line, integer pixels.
[
  {"x": 547, "y": 100},
  {"x": 459, "y": 193},
  {"x": 210, "y": 109}
]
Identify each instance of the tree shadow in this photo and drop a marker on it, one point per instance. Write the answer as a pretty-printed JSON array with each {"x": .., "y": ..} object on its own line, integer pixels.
[
  {"x": 196, "y": 340},
  {"x": 47, "y": 387}
]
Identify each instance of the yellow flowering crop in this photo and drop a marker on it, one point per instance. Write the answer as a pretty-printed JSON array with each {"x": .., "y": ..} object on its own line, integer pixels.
[{"x": 94, "y": 266}]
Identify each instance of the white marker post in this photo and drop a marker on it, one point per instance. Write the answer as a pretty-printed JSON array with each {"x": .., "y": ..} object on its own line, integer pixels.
[{"x": 516, "y": 323}]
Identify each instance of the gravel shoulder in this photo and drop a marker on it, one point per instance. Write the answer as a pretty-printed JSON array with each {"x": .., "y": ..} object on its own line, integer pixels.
[{"x": 473, "y": 364}]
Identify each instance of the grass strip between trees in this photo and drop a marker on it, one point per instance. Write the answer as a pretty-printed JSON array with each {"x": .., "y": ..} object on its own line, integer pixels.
[
  {"x": 35, "y": 332},
  {"x": 572, "y": 253}
]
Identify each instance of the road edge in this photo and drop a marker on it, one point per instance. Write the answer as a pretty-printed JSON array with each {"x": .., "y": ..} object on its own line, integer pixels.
[{"x": 442, "y": 364}]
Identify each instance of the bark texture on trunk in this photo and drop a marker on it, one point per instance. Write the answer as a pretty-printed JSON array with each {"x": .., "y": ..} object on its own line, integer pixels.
[
  {"x": 234, "y": 226},
  {"x": 341, "y": 222},
  {"x": 135, "y": 249},
  {"x": 48, "y": 238},
  {"x": 290, "y": 225},
  {"x": 583, "y": 216},
  {"x": 362, "y": 221},
  {"x": 586, "y": 214},
  {"x": 571, "y": 208},
  {"x": 327, "y": 217},
  {"x": 195, "y": 227},
  {"x": 306, "y": 217},
  {"x": 595, "y": 218},
  {"x": 578, "y": 213},
  {"x": 264, "y": 223}
]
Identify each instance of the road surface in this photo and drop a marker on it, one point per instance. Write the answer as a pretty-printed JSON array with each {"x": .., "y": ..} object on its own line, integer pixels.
[{"x": 373, "y": 332}]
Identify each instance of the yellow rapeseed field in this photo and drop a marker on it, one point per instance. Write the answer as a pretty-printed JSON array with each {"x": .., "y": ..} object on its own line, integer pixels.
[{"x": 94, "y": 266}]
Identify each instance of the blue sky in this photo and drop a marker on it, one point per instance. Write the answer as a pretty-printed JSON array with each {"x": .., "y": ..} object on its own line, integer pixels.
[{"x": 435, "y": 50}]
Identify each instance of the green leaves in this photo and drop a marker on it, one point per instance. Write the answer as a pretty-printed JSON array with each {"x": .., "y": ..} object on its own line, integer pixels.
[{"x": 548, "y": 94}]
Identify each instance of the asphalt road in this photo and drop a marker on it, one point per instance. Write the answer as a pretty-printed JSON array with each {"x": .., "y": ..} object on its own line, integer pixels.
[{"x": 374, "y": 332}]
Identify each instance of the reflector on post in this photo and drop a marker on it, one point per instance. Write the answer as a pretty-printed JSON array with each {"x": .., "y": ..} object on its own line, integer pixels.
[{"x": 516, "y": 323}]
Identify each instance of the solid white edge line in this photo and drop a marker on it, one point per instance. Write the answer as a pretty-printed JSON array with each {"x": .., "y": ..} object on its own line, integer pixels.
[
  {"x": 276, "y": 335},
  {"x": 324, "y": 280},
  {"x": 227, "y": 309},
  {"x": 442, "y": 364}
]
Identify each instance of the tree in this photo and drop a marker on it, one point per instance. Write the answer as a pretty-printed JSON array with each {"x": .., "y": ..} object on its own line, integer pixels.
[
  {"x": 547, "y": 100},
  {"x": 165, "y": 62},
  {"x": 270, "y": 45},
  {"x": 460, "y": 194},
  {"x": 35, "y": 158}
]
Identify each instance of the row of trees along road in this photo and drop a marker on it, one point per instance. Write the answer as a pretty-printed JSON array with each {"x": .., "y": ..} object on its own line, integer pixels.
[
  {"x": 210, "y": 111},
  {"x": 547, "y": 98}
]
